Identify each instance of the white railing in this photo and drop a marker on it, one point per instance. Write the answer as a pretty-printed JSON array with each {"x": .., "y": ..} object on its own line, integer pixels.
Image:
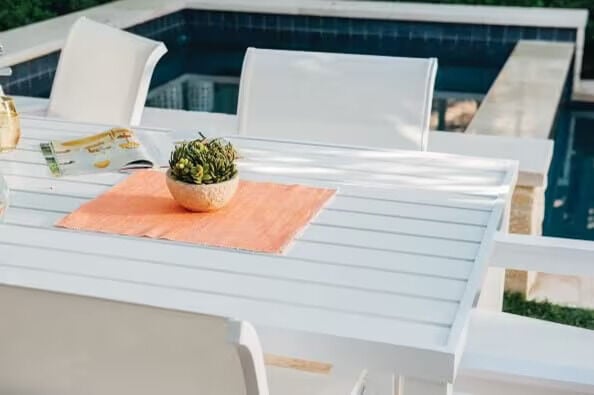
[{"x": 544, "y": 254}]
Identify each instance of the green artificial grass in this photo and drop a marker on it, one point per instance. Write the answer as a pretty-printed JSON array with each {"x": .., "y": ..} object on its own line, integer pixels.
[{"x": 516, "y": 303}]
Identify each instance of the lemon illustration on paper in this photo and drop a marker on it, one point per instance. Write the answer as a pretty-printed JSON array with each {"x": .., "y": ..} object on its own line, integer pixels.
[
  {"x": 130, "y": 145},
  {"x": 102, "y": 164}
]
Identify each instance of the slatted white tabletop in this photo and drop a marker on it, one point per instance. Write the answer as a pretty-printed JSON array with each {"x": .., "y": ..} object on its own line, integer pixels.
[{"x": 395, "y": 259}]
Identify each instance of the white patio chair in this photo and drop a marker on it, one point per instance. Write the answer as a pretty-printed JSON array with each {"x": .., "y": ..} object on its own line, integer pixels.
[
  {"x": 103, "y": 74},
  {"x": 515, "y": 355},
  {"x": 339, "y": 98},
  {"x": 60, "y": 344},
  {"x": 518, "y": 355}
]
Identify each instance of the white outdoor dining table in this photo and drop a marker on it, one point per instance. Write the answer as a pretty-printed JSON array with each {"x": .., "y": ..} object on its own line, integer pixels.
[{"x": 386, "y": 274}]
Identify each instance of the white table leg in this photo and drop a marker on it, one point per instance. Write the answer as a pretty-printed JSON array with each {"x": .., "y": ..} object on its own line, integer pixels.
[
  {"x": 494, "y": 284},
  {"x": 414, "y": 386},
  {"x": 492, "y": 291}
]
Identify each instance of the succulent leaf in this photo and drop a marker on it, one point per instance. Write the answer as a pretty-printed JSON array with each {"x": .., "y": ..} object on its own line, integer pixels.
[{"x": 203, "y": 161}]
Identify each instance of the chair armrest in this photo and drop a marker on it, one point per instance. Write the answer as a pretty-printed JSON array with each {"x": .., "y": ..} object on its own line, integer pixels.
[
  {"x": 243, "y": 336},
  {"x": 536, "y": 356},
  {"x": 544, "y": 254},
  {"x": 360, "y": 384}
]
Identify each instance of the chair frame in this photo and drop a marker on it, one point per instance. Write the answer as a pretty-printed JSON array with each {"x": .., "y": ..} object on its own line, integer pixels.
[
  {"x": 143, "y": 82},
  {"x": 246, "y": 82}
]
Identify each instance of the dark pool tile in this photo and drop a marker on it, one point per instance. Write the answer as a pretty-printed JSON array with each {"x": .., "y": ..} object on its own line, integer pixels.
[
  {"x": 242, "y": 19},
  {"x": 384, "y": 28},
  {"x": 309, "y": 23},
  {"x": 465, "y": 41},
  {"x": 566, "y": 34},
  {"x": 146, "y": 29},
  {"x": 218, "y": 18},
  {"x": 233, "y": 21},
  {"x": 257, "y": 22},
  {"x": 52, "y": 60},
  {"x": 342, "y": 25},
  {"x": 328, "y": 25},
  {"x": 18, "y": 88},
  {"x": 177, "y": 17},
  {"x": 361, "y": 27},
  {"x": 269, "y": 22},
  {"x": 207, "y": 18},
  {"x": 294, "y": 23},
  {"x": 428, "y": 29},
  {"x": 19, "y": 71},
  {"x": 449, "y": 35},
  {"x": 434, "y": 43},
  {"x": 529, "y": 33},
  {"x": 513, "y": 33},
  {"x": 375, "y": 29},
  {"x": 465, "y": 31},
  {"x": 405, "y": 29},
  {"x": 478, "y": 32},
  {"x": 320, "y": 24},
  {"x": 9, "y": 87},
  {"x": 284, "y": 22},
  {"x": 200, "y": 18},
  {"x": 41, "y": 65},
  {"x": 545, "y": 34},
  {"x": 496, "y": 33}
]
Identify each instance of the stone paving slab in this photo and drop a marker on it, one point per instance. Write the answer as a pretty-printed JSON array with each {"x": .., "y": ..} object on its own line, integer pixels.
[
  {"x": 564, "y": 290},
  {"x": 585, "y": 91},
  {"x": 523, "y": 100}
]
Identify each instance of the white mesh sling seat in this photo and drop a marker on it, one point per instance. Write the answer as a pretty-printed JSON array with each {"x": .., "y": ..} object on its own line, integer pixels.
[
  {"x": 103, "y": 74},
  {"x": 64, "y": 344},
  {"x": 338, "y": 98}
]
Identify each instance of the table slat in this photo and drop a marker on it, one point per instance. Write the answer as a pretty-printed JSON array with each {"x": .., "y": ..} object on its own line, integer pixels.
[
  {"x": 290, "y": 291},
  {"x": 302, "y": 318}
]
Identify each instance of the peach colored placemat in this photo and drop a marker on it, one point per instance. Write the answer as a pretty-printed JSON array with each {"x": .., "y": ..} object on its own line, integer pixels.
[{"x": 262, "y": 217}]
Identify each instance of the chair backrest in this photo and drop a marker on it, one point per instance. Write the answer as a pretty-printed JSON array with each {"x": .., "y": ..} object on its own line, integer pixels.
[
  {"x": 337, "y": 98},
  {"x": 103, "y": 74},
  {"x": 59, "y": 344}
]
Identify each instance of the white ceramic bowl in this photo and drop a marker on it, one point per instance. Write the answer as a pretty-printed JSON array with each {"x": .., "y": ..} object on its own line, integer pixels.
[{"x": 203, "y": 197}]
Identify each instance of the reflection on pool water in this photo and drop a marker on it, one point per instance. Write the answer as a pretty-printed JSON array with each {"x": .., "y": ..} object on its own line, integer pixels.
[{"x": 570, "y": 194}]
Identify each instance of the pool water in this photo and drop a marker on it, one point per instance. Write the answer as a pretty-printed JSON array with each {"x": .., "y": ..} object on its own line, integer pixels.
[
  {"x": 570, "y": 194},
  {"x": 203, "y": 75}
]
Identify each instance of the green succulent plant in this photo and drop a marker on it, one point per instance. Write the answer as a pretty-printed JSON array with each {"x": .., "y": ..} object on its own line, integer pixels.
[{"x": 203, "y": 161}]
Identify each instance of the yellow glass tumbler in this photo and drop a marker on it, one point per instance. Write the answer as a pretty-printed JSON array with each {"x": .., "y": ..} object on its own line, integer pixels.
[{"x": 10, "y": 126}]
